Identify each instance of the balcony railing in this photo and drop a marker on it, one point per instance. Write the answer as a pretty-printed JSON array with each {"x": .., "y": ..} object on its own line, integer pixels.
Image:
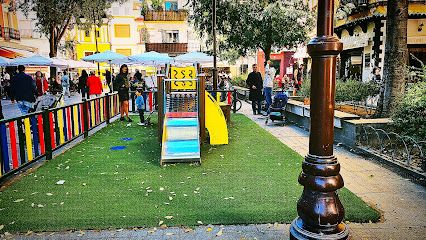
[
  {"x": 172, "y": 15},
  {"x": 10, "y": 33},
  {"x": 167, "y": 47}
]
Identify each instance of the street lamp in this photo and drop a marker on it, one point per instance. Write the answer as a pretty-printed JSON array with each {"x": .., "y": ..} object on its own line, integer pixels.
[{"x": 319, "y": 208}]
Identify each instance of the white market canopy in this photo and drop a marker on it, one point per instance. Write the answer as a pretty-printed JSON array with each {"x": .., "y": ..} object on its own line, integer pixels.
[
  {"x": 5, "y": 61},
  {"x": 105, "y": 57},
  {"x": 151, "y": 58},
  {"x": 35, "y": 60},
  {"x": 193, "y": 57}
]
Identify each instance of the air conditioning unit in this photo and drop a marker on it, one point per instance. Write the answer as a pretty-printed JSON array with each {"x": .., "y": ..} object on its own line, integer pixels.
[{"x": 363, "y": 3}]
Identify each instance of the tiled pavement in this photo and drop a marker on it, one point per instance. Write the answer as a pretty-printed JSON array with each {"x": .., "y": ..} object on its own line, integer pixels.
[{"x": 401, "y": 202}]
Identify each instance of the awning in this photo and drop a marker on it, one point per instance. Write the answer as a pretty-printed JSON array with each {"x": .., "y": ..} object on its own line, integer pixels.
[{"x": 14, "y": 52}]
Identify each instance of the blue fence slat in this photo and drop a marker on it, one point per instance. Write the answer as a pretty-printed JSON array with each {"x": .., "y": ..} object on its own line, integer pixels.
[
  {"x": 35, "y": 136},
  {"x": 4, "y": 148}
]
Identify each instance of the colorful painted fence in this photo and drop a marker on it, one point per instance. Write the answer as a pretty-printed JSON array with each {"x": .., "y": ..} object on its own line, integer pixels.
[
  {"x": 150, "y": 98},
  {"x": 31, "y": 137}
]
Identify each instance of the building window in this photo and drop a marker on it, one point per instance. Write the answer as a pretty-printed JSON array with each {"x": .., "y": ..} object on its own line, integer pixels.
[
  {"x": 125, "y": 52},
  {"x": 87, "y": 33},
  {"x": 172, "y": 36},
  {"x": 122, "y": 30},
  {"x": 115, "y": 11},
  {"x": 171, "y": 5}
]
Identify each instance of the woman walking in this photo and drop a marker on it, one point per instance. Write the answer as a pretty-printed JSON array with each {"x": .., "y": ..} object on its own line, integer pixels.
[
  {"x": 41, "y": 83},
  {"x": 122, "y": 84},
  {"x": 82, "y": 84}
]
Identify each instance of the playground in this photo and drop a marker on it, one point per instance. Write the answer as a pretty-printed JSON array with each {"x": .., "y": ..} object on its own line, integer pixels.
[{"x": 239, "y": 183}]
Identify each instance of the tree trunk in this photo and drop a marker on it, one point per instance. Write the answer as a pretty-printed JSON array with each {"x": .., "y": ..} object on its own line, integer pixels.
[
  {"x": 396, "y": 57},
  {"x": 267, "y": 51},
  {"x": 52, "y": 49}
]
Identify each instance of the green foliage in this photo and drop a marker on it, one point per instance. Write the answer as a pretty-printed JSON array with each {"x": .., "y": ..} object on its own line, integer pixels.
[
  {"x": 53, "y": 17},
  {"x": 246, "y": 26},
  {"x": 239, "y": 81},
  {"x": 409, "y": 115},
  {"x": 157, "y": 4},
  {"x": 350, "y": 90},
  {"x": 305, "y": 90}
]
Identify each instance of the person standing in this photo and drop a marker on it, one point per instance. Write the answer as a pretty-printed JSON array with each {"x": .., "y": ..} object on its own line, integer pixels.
[
  {"x": 23, "y": 90},
  {"x": 298, "y": 77},
  {"x": 122, "y": 82},
  {"x": 140, "y": 105},
  {"x": 254, "y": 82},
  {"x": 377, "y": 77},
  {"x": 41, "y": 83},
  {"x": 268, "y": 84},
  {"x": 108, "y": 79},
  {"x": 95, "y": 85},
  {"x": 82, "y": 85},
  {"x": 65, "y": 80}
]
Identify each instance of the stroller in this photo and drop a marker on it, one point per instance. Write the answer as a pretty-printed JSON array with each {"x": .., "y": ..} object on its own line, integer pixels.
[
  {"x": 47, "y": 101},
  {"x": 277, "y": 109}
]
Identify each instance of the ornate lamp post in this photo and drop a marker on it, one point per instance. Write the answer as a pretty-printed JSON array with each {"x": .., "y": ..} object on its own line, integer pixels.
[{"x": 319, "y": 208}]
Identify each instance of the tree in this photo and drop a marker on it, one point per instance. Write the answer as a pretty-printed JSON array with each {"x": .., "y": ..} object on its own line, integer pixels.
[
  {"x": 53, "y": 17},
  {"x": 246, "y": 26},
  {"x": 396, "y": 57}
]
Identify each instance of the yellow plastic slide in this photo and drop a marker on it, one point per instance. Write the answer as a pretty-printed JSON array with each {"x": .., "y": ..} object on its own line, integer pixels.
[{"x": 215, "y": 122}]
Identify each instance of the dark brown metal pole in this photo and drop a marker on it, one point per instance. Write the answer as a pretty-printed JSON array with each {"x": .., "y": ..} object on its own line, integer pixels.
[
  {"x": 214, "y": 70},
  {"x": 319, "y": 208}
]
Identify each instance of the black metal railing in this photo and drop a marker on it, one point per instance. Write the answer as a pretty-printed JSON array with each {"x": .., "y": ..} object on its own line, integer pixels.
[{"x": 392, "y": 146}]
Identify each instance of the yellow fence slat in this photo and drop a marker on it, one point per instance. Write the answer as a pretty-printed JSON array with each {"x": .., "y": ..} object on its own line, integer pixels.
[
  {"x": 92, "y": 107},
  {"x": 102, "y": 109},
  {"x": 61, "y": 126},
  {"x": 76, "y": 132},
  {"x": 28, "y": 139}
]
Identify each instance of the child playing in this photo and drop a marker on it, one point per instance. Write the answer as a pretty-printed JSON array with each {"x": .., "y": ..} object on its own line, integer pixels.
[{"x": 140, "y": 105}]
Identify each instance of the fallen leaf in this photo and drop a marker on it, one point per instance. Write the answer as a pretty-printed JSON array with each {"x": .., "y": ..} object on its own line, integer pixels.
[
  {"x": 84, "y": 184},
  {"x": 161, "y": 222},
  {"x": 19, "y": 200},
  {"x": 209, "y": 229},
  {"x": 40, "y": 205},
  {"x": 112, "y": 234},
  {"x": 189, "y": 177},
  {"x": 51, "y": 234},
  {"x": 60, "y": 182},
  {"x": 62, "y": 203},
  {"x": 81, "y": 233},
  {"x": 33, "y": 193},
  {"x": 163, "y": 226},
  {"x": 119, "y": 230},
  {"x": 161, "y": 189},
  {"x": 198, "y": 188},
  {"x": 185, "y": 195},
  {"x": 269, "y": 225},
  {"x": 166, "y": 203},
  {"x": 220, "y": 232},
  {"x": 187, "y": 230},
  {"x": 199, "y": 222},
  {"x": 49, "y": 194},
  {"x": 170, "y": 198},
  {"x": 276, "y": 224},
  {"x": 168, "y": 217},
  {"x": 169, "y": 234},
  {"x": 1, "y": 227},
  {"x": 28, "y": 233},
  {"x": 231, "y": 198},
  {"x": 40, "y": 234}
]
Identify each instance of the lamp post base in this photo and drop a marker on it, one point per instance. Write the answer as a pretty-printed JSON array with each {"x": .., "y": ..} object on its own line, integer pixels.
[{"x": 298, "y": 231}]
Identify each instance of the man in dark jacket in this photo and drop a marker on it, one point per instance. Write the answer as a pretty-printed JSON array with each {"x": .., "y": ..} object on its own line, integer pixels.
[
  {"x": 254, "y": 82},
  {"x": 23, "y": 90}
]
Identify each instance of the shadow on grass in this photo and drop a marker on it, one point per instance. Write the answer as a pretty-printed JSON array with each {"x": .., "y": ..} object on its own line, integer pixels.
[{"x": 253, "y": 179}]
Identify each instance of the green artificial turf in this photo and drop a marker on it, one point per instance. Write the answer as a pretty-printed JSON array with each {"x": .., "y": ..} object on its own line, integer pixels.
[{"x": 253, "y": 179}]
